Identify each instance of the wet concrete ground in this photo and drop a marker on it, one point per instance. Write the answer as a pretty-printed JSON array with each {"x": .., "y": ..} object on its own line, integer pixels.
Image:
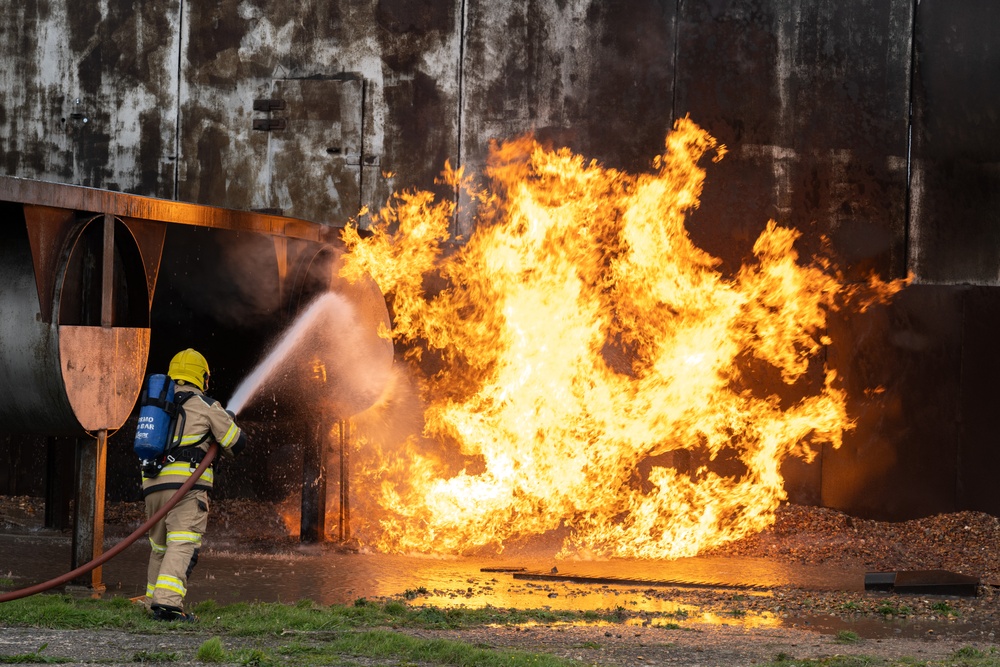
[
  {"x": 231, "y": 571},
  {"x": 228, "y": 571}
]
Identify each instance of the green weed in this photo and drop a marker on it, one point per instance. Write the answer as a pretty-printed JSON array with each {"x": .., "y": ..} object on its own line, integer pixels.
[
  {"x": 944, "y": 608},
  {"x": 890, "y": 609},
  {"x": 211, "y": 650},
  {"x": 395, "y": 608},
  {"x": 154, "y": 656}
]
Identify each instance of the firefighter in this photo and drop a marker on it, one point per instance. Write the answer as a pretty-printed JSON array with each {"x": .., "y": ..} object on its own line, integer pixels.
[{"x": 176, "y": 538}]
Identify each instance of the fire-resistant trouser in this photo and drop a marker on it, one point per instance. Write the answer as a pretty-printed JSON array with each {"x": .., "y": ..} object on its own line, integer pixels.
[{"x": 175, "y": 541}]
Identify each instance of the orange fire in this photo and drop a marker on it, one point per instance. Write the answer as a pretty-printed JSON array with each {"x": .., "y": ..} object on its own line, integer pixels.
[{"x": 585, "y": 368}]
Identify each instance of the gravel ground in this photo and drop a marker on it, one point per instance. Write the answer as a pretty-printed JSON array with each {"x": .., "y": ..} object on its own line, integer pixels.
[{"x": 717, "y": 627}]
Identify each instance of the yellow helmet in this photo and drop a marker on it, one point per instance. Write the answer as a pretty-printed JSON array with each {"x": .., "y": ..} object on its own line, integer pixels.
[{"x": 189, "y": 365}]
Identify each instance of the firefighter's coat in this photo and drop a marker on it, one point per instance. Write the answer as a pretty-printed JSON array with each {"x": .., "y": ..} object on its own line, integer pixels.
[{"x": 176, "y": 539}]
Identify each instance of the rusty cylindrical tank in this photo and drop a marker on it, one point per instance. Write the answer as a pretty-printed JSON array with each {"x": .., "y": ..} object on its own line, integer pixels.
[{"x": 74, "y": 322}]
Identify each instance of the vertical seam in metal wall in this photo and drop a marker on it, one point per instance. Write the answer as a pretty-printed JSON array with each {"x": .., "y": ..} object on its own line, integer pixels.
[
  {"x": 361, "y": 151},
  {"x": 673, "y": 88},
  {"x": 908, "y": 208},
  {"x": 177, "y": 111},
  {"x": 461, "y": 91}
]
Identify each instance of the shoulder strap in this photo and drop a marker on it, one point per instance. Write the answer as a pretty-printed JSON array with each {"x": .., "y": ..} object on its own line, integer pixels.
[{"x": 180, "y": 398}]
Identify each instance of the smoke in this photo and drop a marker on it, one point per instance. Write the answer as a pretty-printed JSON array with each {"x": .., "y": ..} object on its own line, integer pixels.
[
  {"x": 233, "y": 276},
  {"x": 329, "y": 358}
]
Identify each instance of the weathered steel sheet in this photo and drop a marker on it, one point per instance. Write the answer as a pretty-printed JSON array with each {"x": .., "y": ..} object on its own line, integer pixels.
[
  {"x": 320, "y": 137},
  {"x": 90, "y": 92},
  {"x": 235, "y": 51},
  {"x": 102, "y": 369},
  {"x": 812, "y": 101},
  {"x": 593, "y": 77},
  {"x": 955, "y": 196},
  {"x": 978, "y": 454},
  {"x": 903, "y": 375}
]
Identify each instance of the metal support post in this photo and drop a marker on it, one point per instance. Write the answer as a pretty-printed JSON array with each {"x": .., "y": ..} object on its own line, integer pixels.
[
  {"x": 344, "y": 517},
  {"x": 312, "y": 523},
  {"x": 88, "y": 523}
]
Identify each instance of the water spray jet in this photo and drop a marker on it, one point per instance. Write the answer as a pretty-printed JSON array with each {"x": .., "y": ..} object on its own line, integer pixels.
[
  {"x": 328, "y": 339},
  {"x": 328, "y": 365}
]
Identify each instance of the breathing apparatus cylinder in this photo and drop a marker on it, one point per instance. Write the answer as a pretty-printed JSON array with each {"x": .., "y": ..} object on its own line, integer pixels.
[{"x": 156, "y": 414}]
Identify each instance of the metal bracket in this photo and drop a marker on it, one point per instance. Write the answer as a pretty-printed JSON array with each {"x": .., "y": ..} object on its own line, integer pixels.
[
  {"x": 268, "y": 124},
  {"x": 268, "y": 105}
]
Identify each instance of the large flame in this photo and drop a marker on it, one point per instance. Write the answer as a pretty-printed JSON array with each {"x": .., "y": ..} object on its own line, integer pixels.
[{"x": 580, "y": 353}]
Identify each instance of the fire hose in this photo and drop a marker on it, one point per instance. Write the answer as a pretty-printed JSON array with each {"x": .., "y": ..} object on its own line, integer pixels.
[{"x": 118, "y": 548}]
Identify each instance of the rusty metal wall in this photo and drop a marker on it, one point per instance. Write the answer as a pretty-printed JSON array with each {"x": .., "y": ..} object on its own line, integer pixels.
[
  {"x": 405, "y": 57},
  {"x": 954, "y": 224},
  {"x": 90, "y": 96},
  {"x": 814, "y": 99},
  {"x": 872, "y": 124}
]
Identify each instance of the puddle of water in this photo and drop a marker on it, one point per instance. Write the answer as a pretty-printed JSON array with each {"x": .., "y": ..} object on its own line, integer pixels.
[
  {"x": 229, "y": 572},
  {"x": 871, "y": 628}
]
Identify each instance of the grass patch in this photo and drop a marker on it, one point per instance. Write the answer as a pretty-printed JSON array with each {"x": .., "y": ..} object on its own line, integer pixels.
[
  {"x": 359, "y": 629},
  {"x": 66, "y": 612},
  {"x": 890, "y": 609},
  {"x": 260, "y": 619},
  {"x": 967, "y": 652},
  {"x": 945, "y": 608},
  {"x": 384, "y": 644},
  {"x": 388, "y": 646},
  {"x": 847, "y": 637},
  {"x": 31, "y": 658},
  {"x": 255, "y": 658},
  {"x": 211, "y": 650},
  {"x": 309, "y": 634}
]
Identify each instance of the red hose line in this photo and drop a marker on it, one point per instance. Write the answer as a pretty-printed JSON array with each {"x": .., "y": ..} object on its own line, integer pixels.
[{"x": 118, "y": 548}]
